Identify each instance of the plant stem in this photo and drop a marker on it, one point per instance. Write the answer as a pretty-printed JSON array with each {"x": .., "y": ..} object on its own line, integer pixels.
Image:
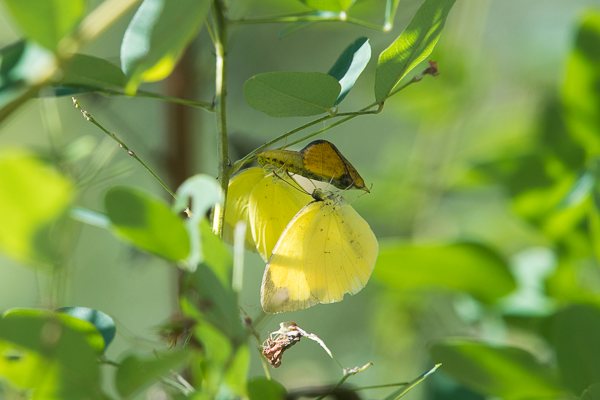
[
  {"x": 308, "y": 17},
  {"x": 221, "y": 109},
  {"x": 122, "y": 144}
]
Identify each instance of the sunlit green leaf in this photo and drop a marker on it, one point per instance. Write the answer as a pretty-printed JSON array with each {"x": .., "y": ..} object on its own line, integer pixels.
[
  {"x": 24, "y": 181},
  {"x": 47, "y": 21},
  {"x": 137, "y": 373},
  {"x": 157, "y": 36},
  {"x": 147, "y": 223},
  {"x": 576, "y": 339},
  {"x": 41, "y": 351},
  {"x": 501, "y": 371},
  {"x": 288, "y": 94},
  {"x": 101, "y": 321},
  {"x": 580, "y": 93},
  {"x": 329, "y": 5},
  {"x": 261, "y": 388},
  {"x": 350, "y": 65},
  {"x": 412, "y": 47},
  {"x": 466, "y": 267}
]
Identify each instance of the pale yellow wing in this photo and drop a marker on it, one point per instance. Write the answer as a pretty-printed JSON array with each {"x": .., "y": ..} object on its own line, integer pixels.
[
  {"x": 238, "y": 195},
  {"x": 272, "y": 204},
  {"x": 327, "y": 250}
]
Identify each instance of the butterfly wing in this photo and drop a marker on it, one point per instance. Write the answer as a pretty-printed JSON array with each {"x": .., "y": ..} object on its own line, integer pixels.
[
  {"x": 327, "y": 250},
  {"x": 272, "y": 204},
  {"x": 240, "y": 187},
  {"x": 326, "y": 163}
]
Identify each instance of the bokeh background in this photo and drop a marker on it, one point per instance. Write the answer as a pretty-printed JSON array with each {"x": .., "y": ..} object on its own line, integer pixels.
[{"x": 436, "y": 157}]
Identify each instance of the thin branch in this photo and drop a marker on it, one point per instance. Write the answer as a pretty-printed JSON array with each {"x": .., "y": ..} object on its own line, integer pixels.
[
  {"x": 308, "y": 17},
  {"x": 221, "y": 109},
  {"x": 122, "y": 144}
]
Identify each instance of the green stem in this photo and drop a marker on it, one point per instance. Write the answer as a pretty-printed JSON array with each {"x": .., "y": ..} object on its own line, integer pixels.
[
  {"x": 123, "y": 145},
  {"x": 221, "y": 108},
  {"x": 250, "y": 156},
  {"x": 308, "y": 17}
]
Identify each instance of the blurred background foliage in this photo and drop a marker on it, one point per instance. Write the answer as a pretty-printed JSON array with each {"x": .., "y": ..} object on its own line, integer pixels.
[{"x": 484, "y": 197}]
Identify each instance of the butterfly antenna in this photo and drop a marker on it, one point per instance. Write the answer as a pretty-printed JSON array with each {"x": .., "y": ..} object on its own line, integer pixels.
[{"x": 295, "y": 184}]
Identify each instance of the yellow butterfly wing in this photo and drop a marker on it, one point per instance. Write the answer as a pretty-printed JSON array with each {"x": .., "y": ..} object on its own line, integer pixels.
[
  {"x": 239, "y": 190},
  {"x": 273, "y": 202},
  {"x": 327, "y": 250}
]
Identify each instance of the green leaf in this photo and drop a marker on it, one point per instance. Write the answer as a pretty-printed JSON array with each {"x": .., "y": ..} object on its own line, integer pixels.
[
  {"x": 412, "y": 47},
  {"x": 576, "y": 339},
  {"x": 580, "y": 94},
  {"x": 147, "y": 223},
  {"x": 86, "y": 328},
  {"x": 262, "y": 388},
  {"x": 157, "y": 36},
  {"x": 22, "y": 65},
  {"x": 592, "y": 392},
  {"x": 202, "y": 192},
  {"x": 329, "y": 5},
  {"x": 44, "y": 353},
  {"x": 351, "y": 63},
  {"x": 466, "y": 267},
  {"x": 501, "y": 371},
  {"x": 236, "y": 375},
  {"x": 24, "y": 231},
  {"x": 217, "y": 255},
  {"x": 48, "y": 21},
  {"x": 289, "y": 94},
  {"x": 138, "y": 373},
  {"x": 212, "y": 301},
  {"x": 101, "y": 321},
  {"x": 91, "y": 73}
]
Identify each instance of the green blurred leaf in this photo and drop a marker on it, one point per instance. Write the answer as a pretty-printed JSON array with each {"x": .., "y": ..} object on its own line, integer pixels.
[
  {"x": 576, "y": 339},
  {"x": 101, "y": 321},
  {"x": 147, "y": 223},
  {"x": 202, "y": 192},
  {"x": 209, "y": 300},
  {"x": 351, "y": 63},
  {"x": 217, "y": 255},
  {"x": 24, "y": 231},
  {"x": 592, "y": 392},
  {"x": 329, "y": 5},
  {"x": 502, "y": 371},
  {"x": 137, "y": 373},
  {"x": 466, "y": 267},
  {"x": 289, "y": 94},
  {"x": 261, "y": 388},
  {"x": 47, "y": 21},
  {"x": 580, "y": 94},
  {"x": 85, "y": 73},
  {"x": 412, "y": 47},
  {"x": 157, "y": 37},
  {"x": 236, "y": 375},
  {"x": 42, "y": 351}
]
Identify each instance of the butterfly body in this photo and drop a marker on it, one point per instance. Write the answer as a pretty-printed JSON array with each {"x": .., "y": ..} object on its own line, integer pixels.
[{"x": 319, "y": 160}]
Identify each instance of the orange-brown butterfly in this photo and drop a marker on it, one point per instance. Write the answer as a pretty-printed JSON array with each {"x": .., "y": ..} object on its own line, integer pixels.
[{"x": 319, "y": 160}]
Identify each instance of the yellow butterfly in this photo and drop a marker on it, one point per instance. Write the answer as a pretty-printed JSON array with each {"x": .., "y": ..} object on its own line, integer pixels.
[
  {"x": 326, "y": 251},
  {"x": 266, "y": 202},
  {"x": 319, "y": 160}
]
